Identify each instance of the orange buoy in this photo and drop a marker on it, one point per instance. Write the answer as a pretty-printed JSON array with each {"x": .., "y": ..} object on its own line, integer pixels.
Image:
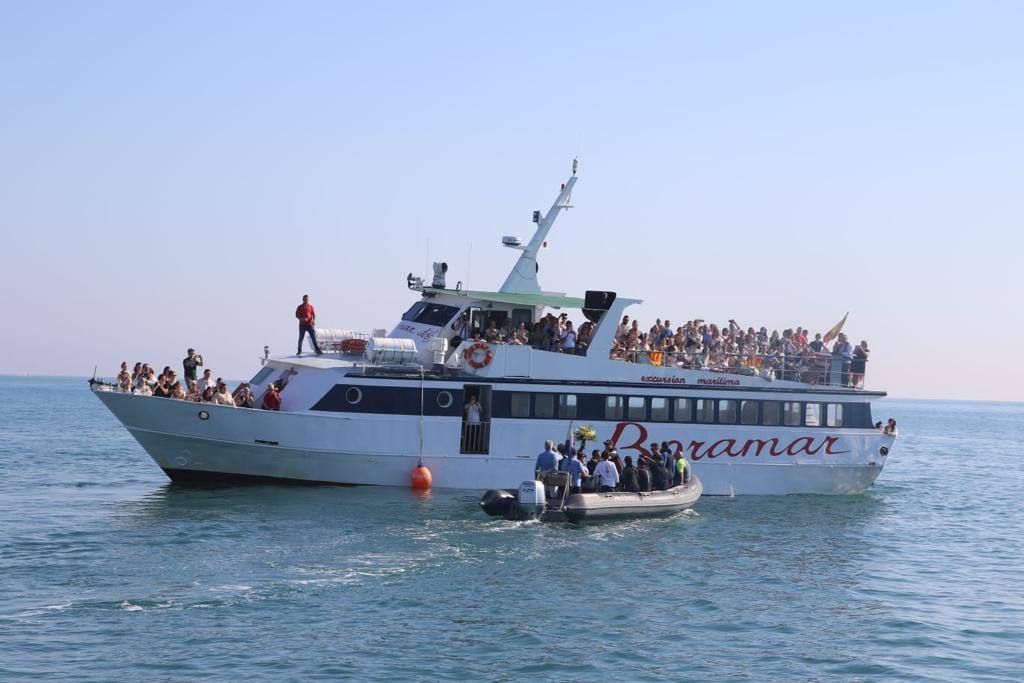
[{"x": 421, "y": 477}]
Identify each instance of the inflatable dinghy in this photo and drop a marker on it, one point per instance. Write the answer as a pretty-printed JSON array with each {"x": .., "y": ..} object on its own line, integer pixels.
[{"x": 530, "y": 501}]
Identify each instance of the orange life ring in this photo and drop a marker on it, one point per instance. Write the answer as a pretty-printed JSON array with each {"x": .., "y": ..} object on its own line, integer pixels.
[{"x": 470, "y": 354}]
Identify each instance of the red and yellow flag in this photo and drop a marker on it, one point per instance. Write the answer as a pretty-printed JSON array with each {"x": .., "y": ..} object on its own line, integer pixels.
[{"x": 836, "y": 329}]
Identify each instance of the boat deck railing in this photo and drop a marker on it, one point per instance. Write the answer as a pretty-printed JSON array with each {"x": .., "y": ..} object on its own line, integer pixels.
[
  {"x": 476, "y": 438},
  {"x": 819, "y": 368},
  {"x": 812, "y": 368}
]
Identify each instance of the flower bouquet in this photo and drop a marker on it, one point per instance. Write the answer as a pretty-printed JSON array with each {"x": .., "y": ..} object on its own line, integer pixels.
[{"x": 583, "y": 434}]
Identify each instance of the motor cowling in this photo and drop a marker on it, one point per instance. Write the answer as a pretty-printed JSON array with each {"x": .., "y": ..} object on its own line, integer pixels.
[
  {"x": 497, "y": 503},
  {"x": 531, "y": 499}
]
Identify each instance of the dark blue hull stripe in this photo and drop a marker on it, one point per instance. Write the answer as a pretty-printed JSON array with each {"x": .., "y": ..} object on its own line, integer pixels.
[{"x": 201, "y": 478}]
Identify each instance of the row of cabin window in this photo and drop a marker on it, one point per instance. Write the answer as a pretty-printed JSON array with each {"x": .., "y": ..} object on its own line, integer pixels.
[{"x": 702, "y": 410}]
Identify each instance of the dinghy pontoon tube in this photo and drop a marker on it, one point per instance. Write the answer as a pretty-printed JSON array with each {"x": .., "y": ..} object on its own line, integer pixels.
[{"x": 529, "y": 502}]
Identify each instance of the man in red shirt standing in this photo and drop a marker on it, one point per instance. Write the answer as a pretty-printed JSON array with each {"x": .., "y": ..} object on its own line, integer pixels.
[{"x": 307, "y": 319}]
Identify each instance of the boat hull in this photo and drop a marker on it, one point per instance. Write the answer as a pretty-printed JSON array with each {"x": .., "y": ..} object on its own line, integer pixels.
[
  {"x": 237, "y": 445},
  {"x": 587, "y": 506}
]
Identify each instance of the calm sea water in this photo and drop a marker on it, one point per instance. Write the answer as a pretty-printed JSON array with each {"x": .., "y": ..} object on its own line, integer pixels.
[{"x": 109, "y": 572}]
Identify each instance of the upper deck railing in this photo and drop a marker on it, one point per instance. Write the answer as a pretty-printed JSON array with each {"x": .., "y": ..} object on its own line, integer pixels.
[
  {"x": 820, "y": 368},
  {"x": 809, "y": 368}
]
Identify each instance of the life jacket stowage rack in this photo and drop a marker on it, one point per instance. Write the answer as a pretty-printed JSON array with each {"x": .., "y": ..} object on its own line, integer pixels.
[{"x": 353, "y": 346}]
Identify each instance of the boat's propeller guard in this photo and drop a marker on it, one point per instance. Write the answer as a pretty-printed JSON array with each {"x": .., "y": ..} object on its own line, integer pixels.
[{"x": 470, "y": 354}]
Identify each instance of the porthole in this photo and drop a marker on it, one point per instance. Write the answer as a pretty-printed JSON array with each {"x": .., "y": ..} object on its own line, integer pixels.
[
  {"x": 353, "y": 395},
  {"x": 884, "y": 450},
  {"x": 444, "y": 399},
  {"x": 203, "y": 415}
]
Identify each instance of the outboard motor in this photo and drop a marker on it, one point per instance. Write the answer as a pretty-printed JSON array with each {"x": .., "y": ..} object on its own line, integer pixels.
[
  {"x": 498, "y": 503},
  {"x": 531, "y": 499}
]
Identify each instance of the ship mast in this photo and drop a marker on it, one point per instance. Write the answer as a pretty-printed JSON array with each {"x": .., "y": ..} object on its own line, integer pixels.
[{"x": 523, "y": 277}]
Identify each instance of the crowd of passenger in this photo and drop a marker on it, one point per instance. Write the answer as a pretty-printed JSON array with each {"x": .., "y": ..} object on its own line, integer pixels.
[
  {"x": 694, "y": 345},
  {"x": 660, "y": 469},
  {"x": 550, "y": 333},
  {"x": 699, "y": 345},
  {"x": 143, "y": 380}
]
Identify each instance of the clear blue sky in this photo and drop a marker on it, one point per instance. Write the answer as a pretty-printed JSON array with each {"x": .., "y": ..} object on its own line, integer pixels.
[{"x": 180, "y": 174}]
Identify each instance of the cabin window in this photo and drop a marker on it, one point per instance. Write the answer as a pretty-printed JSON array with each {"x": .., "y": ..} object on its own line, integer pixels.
[
  {"x": 659, "y": 409},
  {"x": 567, "y": 406},
  {"x": 499, "y": 318},
  {"x": 705, "y": 410},
  {"x": 635, "y": 408},
  {"x": 544, "y": 405},
  {"x": 770, "y": 413},
  {"x": 834, "y": 415},
  {"x": 613, "y": 407},
  {"x": 353, "y": 395},
  {"x": 522, "y": 315},
  {"x": 748, "y": 412},
  {"x": 413, "y": 311},
  {"x": 428, "y": 313},
  {"x": 684, "y": 410},
  {"x": 727, "y": 411},
  {"x": 444, "y": 399},
  {"x": 476, "y": 320},
  {"x": 812, "y": 415},
  {"x": 791, "y": 414},
  {"x": 519, "y": 404}
]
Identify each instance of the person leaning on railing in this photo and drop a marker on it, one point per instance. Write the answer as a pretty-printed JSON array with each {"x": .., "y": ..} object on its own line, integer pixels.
[
  {"x": 844, "y": 350},
  {"x": 124, "y": 378},
  {"x": 271, "y": 398},
  {"x": 857, "y": 366},
  {"x": 243, "y": 396}
]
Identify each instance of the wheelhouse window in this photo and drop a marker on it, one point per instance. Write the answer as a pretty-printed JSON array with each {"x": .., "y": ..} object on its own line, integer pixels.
[
  {"x": 834, "y": 415},
  {"x": 748, "y": 412},
  {"x": 429, "y": 313},
  {"x": 791, "y": 414},
  {"x": 635, "y": 408},
  {"x": 705, "y": 410},
  {"x": 544, "y": 405},
  {"x": 567, "y": 406},
  {"x": 727, "y": 411},
  {"x": 659, "y": 409},
  {"x": 613, "y": 407},
  {"x": 413, "y": 311},
  {"x": 770, "y": 413},
  {"x": 812, "y": 415},
  {"x": 519, "y": 404},
  {"x": 683, "y": 410}
]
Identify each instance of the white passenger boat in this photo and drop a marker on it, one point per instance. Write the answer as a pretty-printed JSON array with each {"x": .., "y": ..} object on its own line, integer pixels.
[{"x": 369, "y": 417}]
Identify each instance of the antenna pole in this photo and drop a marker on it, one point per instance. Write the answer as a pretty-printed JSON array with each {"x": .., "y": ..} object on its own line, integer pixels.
[{"x": 523, "y": 278}]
